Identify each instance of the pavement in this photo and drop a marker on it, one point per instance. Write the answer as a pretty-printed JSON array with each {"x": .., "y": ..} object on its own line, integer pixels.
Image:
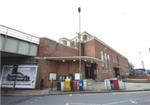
[
  {"x": 25, "y": 92},
  {"x": 93, "y": 87},
  {"x": 137, "y": 86}
]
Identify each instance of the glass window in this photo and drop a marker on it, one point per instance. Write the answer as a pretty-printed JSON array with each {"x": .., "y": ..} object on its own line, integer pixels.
[
  {"x": 109, "y": 62},
  {"x": 105, "y": 56},
  {"x": 108, "y": 57},
  {"x": 102, "y": 55}
]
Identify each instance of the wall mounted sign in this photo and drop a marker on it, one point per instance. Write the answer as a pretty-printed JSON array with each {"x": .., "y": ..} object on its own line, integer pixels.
[{"x": 52, "y": 76}]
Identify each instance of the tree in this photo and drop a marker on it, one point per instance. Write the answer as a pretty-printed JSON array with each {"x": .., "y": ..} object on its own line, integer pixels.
[{"x": 131, "y": 69}]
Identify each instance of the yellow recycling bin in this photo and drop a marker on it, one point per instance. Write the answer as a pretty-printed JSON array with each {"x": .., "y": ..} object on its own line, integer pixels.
[{"x": 67, "y": 84}]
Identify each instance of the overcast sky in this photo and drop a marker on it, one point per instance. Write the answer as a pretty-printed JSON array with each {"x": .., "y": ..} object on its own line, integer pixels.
[{"x": 122, "y": 24}]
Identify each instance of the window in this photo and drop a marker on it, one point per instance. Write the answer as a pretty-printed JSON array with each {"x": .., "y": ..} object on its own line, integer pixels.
[
  {"x": 105, "y": 56},
  {"x": 102, "y": 56},
  {"x": 84, "y": 37},
  {"x": 109, "y": 65},
  {"x": 108, "y": 57}
]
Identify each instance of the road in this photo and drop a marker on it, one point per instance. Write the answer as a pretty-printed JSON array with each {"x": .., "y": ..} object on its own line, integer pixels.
[{"x": 125, "y": 98}]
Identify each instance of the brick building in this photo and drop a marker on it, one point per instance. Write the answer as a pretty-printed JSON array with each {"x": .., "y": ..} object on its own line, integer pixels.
[{"x": 99, "y": 61}]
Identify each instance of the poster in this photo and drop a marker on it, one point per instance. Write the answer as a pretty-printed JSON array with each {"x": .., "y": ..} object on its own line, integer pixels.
[
  {"x": 77, "y": 76},
  {"x": 52, "y": 76},
  {"x": 25, "y": 77}
]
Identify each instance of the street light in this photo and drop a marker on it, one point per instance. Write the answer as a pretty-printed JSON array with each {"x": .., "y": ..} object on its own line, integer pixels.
[{"x": 79, "y": 37}]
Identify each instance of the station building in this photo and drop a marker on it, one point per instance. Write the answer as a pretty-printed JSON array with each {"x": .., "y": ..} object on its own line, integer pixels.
[
  {"x": 98, "y": 60},
  {"x": 43, "y": 59}
]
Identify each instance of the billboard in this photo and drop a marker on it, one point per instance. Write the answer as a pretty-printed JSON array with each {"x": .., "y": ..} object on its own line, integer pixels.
[{"x": 25, "y": 77}]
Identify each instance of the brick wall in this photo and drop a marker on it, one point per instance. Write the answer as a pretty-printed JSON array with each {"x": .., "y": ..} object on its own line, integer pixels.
[
  {"x": 49, "y": 47},
  {"x": 94, "y": 47},
  {"x": 89, "y": 48}
]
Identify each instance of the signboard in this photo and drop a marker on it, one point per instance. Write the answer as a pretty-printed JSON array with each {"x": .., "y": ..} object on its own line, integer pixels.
[
  {"x": 52, "y": 76},
  {"x": 25, "y": 77},
  {"x": 77, "y": 76}
]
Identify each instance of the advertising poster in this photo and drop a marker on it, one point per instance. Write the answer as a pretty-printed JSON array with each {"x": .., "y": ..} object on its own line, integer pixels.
[
  {"x": 52, "y": 76},
  {"x": 24, "y": 77}
]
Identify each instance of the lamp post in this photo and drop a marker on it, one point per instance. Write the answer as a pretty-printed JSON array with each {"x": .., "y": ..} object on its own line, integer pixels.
[{"x": 79, "y": 38}]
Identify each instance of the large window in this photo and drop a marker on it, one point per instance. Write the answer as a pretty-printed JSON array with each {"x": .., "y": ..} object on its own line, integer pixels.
[
  {"x": 102, "y": 55},
  {"x": 105, "y": 56},
  {"x": 109, "y": 64}
]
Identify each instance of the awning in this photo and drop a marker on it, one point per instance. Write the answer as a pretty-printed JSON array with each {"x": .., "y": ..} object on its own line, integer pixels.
[{"x": 71, "y": 58}]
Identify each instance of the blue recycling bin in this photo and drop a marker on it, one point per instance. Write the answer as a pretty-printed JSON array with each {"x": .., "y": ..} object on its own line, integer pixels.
[
  {"x": 112, "y": 84},
  {"x": 80, "y": 84}
]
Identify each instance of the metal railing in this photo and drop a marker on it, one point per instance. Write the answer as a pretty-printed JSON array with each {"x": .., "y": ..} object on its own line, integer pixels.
[{"x": 18, "y": 34}]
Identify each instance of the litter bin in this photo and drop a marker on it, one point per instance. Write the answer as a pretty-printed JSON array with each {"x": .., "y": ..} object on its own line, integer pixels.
[
  {"x": 80, "y": 83},
  {"x": 85, "y": 84},
  {"x": 112, "y": 84},
  {"x": 116, "y": 84},
  {"x": 121, "y": 85},
  {"x": 75, "y": 85},
  {"x": 67, "y": 84},
  {"x": 58, "y": 86},
  {"x": 62, "y": 85},
  {"x": 107, "y": 84}
]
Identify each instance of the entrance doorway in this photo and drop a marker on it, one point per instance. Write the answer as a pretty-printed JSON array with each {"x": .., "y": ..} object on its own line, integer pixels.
[
  {"x": 117, "y": 72},
  {"x": 90, "y": 70}
]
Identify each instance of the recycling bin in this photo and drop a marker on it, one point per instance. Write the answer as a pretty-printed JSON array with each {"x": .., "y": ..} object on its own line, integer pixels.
[
  {"x": 80, "y": 84},
  {"x": 75, "y": 85},
  {"x": 63, "y": 78},
  {"x": 84, "y": 84},
  {"x": 62, "y": 85},
  {"x": 59, "y": 78},
  {"x": 116, "y": 84},
  {"x": 58, "y": 86},
  {"x": 112, "y": 84},
  {"x": 121, "y": 85},
  {"x": 67, "y": 84},
  {"x": 107, "y": 84}
]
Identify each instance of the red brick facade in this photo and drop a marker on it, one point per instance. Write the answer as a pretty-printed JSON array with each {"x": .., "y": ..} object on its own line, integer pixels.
[
  {"x": 50, "y": 48},
  {"x": 94, "y": 47},
  {"x": 105, "y": 68}
]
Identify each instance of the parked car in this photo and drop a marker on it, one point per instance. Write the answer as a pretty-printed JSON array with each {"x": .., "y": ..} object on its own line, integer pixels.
[
  {"x": 18, "y": 76},
  {"x": 141, "y": 72}
]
